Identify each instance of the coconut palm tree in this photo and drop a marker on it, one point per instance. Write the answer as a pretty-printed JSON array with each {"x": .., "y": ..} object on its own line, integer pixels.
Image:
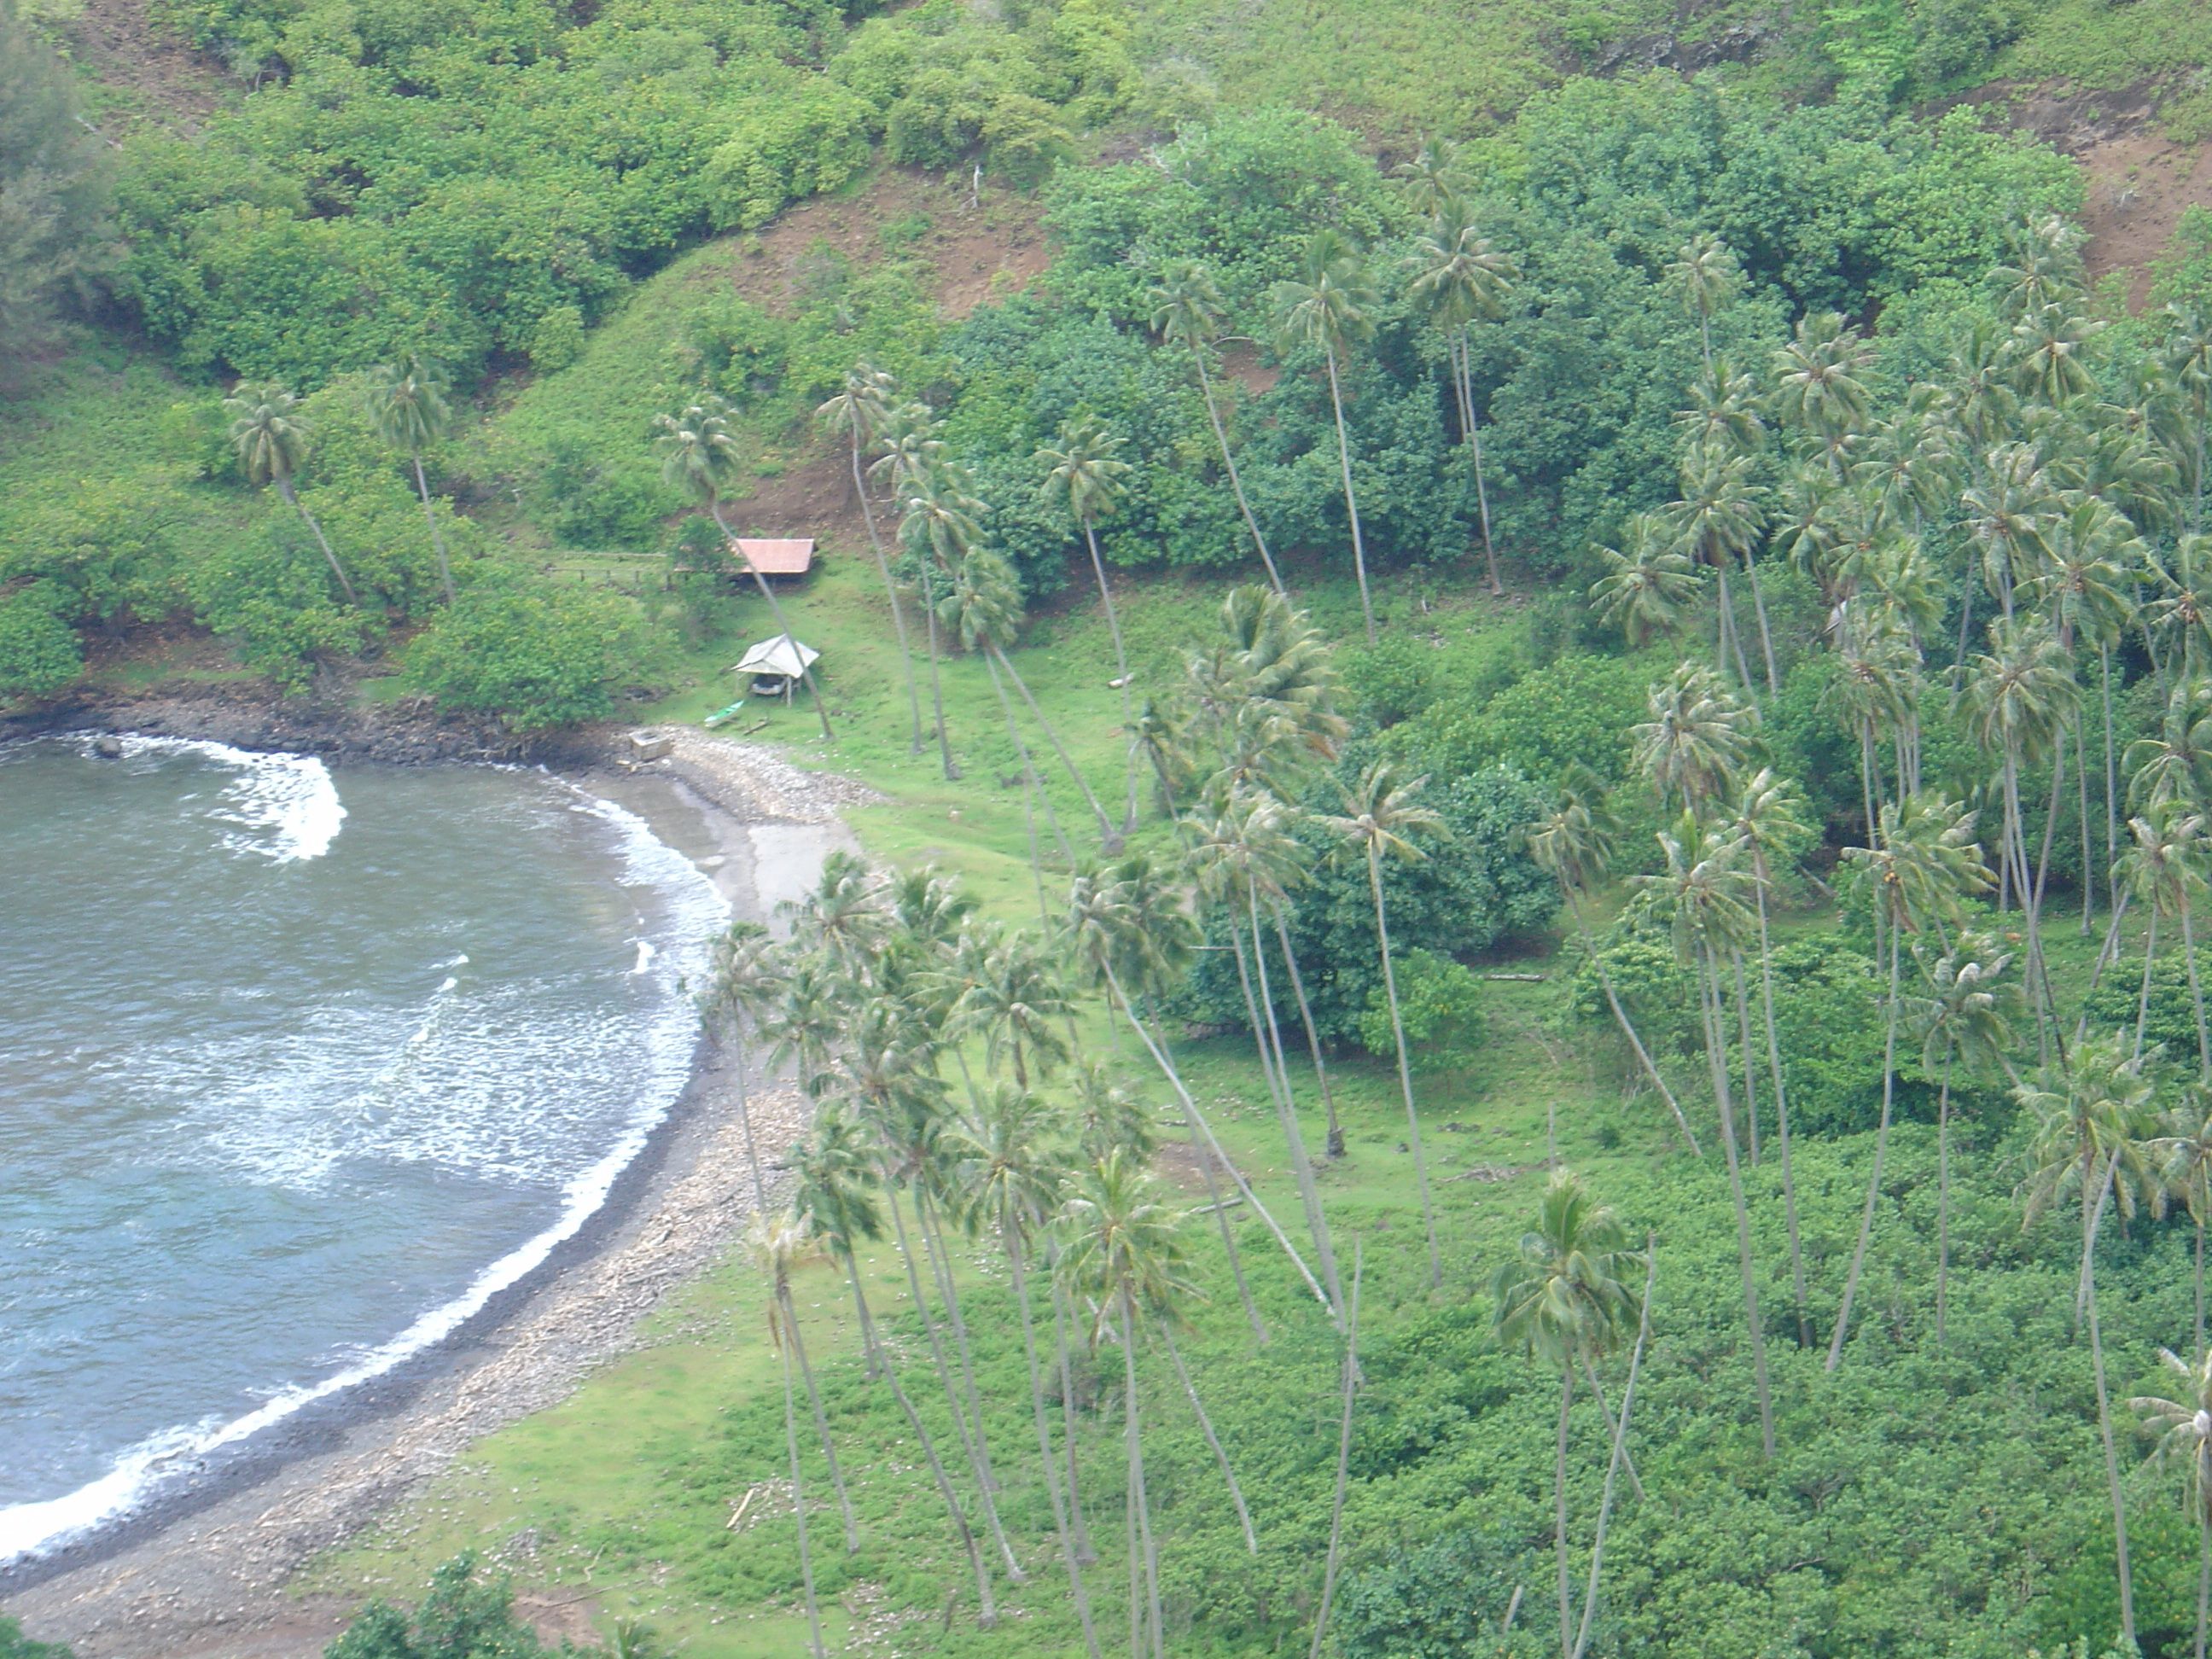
[
  {"x": 1084, "y": 473},
  {"x": 273, "y": 439},
  {"x": 1818, "y": 384},
  {"x": 1567, "y": 1298},
  {"x": 1707, "y": 270},
  {"x": 1767, "y": 815},
  {"x": 2090, "y": 1111},
  {"x": 1966, "y": 1021},
  {"x": 836, "y": 1191},
  {"x": 1647, "y": 586},
  {"x": 1701, "y": 895},
  {"x": 862, "y": 411},
  {"x": 407, "y": 405},
  {"x": 2184, "y": 1155},
  {"x": 1696, "y": 741},
  {"x": 1380, "y": 819},
  {"x": 743, "y": 979},
  {"x": 2164, "y": 868},
  {"x": 2186, "y": 1438},
  {"x": 1124, "y": 1253},
  {"x": 1718, "y": 522},
  {"x": 699, "y": 456},
  {"x": 1014, "y": 1002},
  {"x": 2187, "y": 357},
  {"x": 1239, "y": 854},
  {"x": 1010, "y": 1161},
  {"x": 775, "y": 1244},
  {"x": 1330, "y": 308},
  {"x": 1187, "y": 305},
  {"x": 1457, "y": 278},
  {"x": 1577, "y": 844},
  {"x": 982, "y": 608},
  {"x": 1924, "y": 860}
]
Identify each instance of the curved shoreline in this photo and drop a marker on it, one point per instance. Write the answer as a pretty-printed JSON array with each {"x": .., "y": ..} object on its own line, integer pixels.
[{"x": 201, "y": 1569}]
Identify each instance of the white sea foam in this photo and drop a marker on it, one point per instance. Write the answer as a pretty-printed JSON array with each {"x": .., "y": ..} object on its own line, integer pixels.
[
  {"x": 287, "y": 805},
  {"x": 692, "y": 910}
]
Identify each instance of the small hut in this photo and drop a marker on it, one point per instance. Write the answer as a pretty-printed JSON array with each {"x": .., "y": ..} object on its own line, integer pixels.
[
  {"x": 776, "y": 665},
  {"x": 788, "y": 557}
]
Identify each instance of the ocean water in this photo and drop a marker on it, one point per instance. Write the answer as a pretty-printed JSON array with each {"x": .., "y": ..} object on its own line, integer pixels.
[{"x": 297, "y": 1069}]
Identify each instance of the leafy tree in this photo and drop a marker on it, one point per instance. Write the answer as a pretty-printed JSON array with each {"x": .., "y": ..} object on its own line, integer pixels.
[
  {"x": 536, "y": 655},
  {"x": 40, "y": 654},
  {"x": 463, "y": 1617},
  {"x": 53, "y": 191}
]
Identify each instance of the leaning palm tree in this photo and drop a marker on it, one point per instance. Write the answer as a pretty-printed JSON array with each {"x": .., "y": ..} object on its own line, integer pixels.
[
  {"x": 1084, "y": 473},
  {"x": 1011, "y": 1160},
  {"x": 408, "y": 407},
  {"x": 1187, "y": 305},
  {"x": 699, "y": 455},
  {"x": 1701, "y": 896},
  {"x": 272, "y": 439},
  {"x": 2183, "y": 1154},
  {"x": 1924, "y": 860},
  {"x": 1707, "y": 270},
  {"x": 2090, "y": 1111},
  {"x": 743, "y": 979},
  {"x": 861, "y": 410},
  {"x": 836, "y": 1191},
  {"x": 2164, "y": 869},
  {"x": 2187, "y": 1439},
  {"x": 1717, "y": 520},
  {"x": 1330, "y": 308},
  {"x": 775, "y": 1244},
  {"x": 1577, "y": 844},
  {"x": 1124, "y": 1254},
  {"x": 1456, "y": 278},
  {"x": 1567, "y": 1299},
  {"x": 1380, "y": 819}
]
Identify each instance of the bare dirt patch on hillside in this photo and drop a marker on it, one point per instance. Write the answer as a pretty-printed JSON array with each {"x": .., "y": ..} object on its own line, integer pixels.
[
  {"x": 2139, "y": 186},
  {"x": 162, "y": 82}
]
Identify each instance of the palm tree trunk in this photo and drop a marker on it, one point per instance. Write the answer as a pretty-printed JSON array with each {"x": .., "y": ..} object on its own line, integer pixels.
[
  {"x": 987, "y": 1614},
  {"x": 1011, "y": 1242},
  {"x": 1404, "y": 1066},
  {"x": 1880, "y": 1147},
  {"x": 2112, "y": 789},
  {"x": 890, "y": 593},
  {"x": 936, "y": 677},
  {"x": 1335, "y": 1142},
  {"x": 437, "y": 538},
  {"x": 1781, "y": 1107},
  {"x": 1197, "y": 1120},
  {"x": 941, "y": 1268},
  {"x": 1351, "y": 501},
  {"x": 1709, "y": 991},
  {"x": 798, "y": 1507},
  {"x": 975, "y": 1466},
  {"x": 1343, "y": 1453},
  {"x": 821, "y": 1422},
  {"x": 1140, "y": 1503},
  {"x": 745, "y": 1119},
  {"x": 2089, "y": 1225},
  {"x": 1110, "y": 838},
  {"x": 1743, "y": 1043},
  {"x": 1619, "y": 1452},
  {"x": 1628, "y": 1030},
  {"x": 1120, "y": 667},
  {"x": 782, "y": 624},
  {"x": 1559, "y": 1524},
  {"x": 1213, "y": 1440},
  {"x": 1286, "y": 1110},
  {"x": 1084, "y": 1553},
  {"x": 292, "y": 501},
  {"x": 2195, "y": 989},
  {"x": 1943, "y": 1201},
  {"x": 1765, "y": 634},
  {"x": 1466, "y": 369},
  {"x": 2203, "y": 1564},
  {"x": 1229, "y": 460},
  {"x": 2143, "y": 997}
]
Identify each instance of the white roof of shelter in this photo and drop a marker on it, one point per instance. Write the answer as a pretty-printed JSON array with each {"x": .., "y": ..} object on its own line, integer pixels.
[{"x": 780, "y": 655}]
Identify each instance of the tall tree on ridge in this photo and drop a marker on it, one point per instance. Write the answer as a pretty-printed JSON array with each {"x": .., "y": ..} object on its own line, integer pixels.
[
  {"x": 1084, "y": 473},
  {"x": 1187, "y": 305},
  {"x": 862, "y": 409},
  {"x": 273, "y": 439},
  {"x": 1331, "y": 308},
  {"x": 408, "y": 406}
]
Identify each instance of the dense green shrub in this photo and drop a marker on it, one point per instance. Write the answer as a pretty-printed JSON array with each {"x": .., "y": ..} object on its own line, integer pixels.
[
  {"x": 536, "y": 655},
  {"x": 463, "y": 1617},
  {"x": 14, "y": 1645},
  {"x": 40, "y": 653},
  {"x": 53, "y": 191}
]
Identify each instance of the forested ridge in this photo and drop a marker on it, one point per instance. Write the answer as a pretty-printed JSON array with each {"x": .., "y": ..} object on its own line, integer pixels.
[{"x": 1534, "y": 983}]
